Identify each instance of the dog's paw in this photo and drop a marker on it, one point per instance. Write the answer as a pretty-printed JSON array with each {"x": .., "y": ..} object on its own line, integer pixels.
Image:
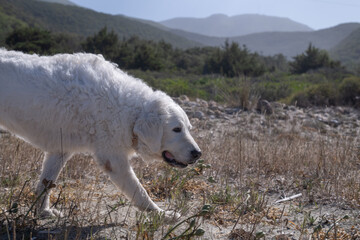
[
  {"x": 56, "y": 212},
  {"x": 50, "y": 213},
  {"x": 171, "y": 217}
]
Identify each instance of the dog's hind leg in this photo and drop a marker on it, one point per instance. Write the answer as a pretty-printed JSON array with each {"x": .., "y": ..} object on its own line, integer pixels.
[{"x": 51, "y": 168}]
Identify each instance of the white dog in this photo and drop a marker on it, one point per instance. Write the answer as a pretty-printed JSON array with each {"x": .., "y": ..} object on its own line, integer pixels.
[{"x": 71, "y": 103}]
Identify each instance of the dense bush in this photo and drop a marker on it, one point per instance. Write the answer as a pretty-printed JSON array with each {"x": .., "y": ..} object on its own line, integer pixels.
[
  {"x": 31, "y": 40},
  {"x": 312, "y": 58},
  {"x": 34, "y": 40},
  {"x": 320, "y": 95},
  {"x": 349, "y": 90},
  {"x": 272, "y": 92},
  {"x": 136, "y": 53},
  {"x": 102, "y": 43},
  {"x": 229, "y": 74},
  {"x": 233, "y": 61},
  {"x": 323, "y": 95}
]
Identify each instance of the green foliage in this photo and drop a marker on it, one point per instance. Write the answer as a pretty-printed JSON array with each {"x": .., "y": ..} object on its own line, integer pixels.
[
  {"x": 349, "y": 90},
  {"x": 34, "y": 40},
  {"x": 31, "y": 40},
  {"x": 275, "y": 63},
  {"x": 146, "y": 59},
  {"x": 345, "y": 92},
  {"x": 193, "y": 229},
  {"x": 136, "y": 53},
  {"x": 67, "y": 43},
  {"x": 312, "y": 59},
  {"x": 8, "y": 24},
  {"x": 182, "y": 72},
  {"x": 224, "y": 196},
  {"x": 321, "y": 95},
  {"x": 234, "y": 61},
  {"x": 192, "y": 60},
  {"x": 273, "y": 91},
  {"x": 102, "y": 43}
]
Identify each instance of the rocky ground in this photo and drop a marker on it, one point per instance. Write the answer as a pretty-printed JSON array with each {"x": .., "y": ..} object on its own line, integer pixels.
[
  {"x": 256, "y": 206},
  {"x": 276, "y": 119}
]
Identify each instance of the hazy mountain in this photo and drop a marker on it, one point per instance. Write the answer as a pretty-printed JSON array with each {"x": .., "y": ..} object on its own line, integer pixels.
[
  {"x": 78, "y": 20},
  {"x": 148, "y": 22},
  {"x": 348, "y": 50},
  {"x": 220, "y": 25},
  {"x": 293, "y": 43},
  {"x": 287, "y": 43},
  {"x": 65, "y": 2},
  {"x": 84, "y": 22}
]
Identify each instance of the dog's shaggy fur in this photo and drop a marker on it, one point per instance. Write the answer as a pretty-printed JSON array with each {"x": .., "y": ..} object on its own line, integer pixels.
[{"x": 71, "y": 103}]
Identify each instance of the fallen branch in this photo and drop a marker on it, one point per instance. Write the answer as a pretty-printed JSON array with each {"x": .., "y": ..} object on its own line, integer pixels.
[{"x": 289, "y": 198}]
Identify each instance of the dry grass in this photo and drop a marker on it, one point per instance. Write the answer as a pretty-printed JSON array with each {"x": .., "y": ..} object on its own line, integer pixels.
[{"x": 241, "y": 175}]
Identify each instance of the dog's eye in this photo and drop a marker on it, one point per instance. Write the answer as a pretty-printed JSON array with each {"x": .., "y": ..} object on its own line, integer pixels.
[{"x": 177, "y": 129}]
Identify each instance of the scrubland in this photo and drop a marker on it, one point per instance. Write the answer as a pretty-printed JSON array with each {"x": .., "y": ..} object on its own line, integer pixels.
[{"x": 250, "y": 161}]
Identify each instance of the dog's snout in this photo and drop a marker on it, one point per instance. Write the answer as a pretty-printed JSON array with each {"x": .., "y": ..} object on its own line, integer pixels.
[{"x": 195, "y": 154}]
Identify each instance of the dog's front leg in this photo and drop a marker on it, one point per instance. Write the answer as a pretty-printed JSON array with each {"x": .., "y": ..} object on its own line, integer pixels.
[
  {"x": 51, "y": 168},
  {"x": 123, "y": 176}
]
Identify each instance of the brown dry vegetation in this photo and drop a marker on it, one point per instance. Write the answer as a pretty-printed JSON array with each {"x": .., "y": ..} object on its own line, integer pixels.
[{"x": 229, "y": 194}]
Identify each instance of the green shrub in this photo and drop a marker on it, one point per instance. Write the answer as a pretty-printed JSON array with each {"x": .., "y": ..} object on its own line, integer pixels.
[
  {"x": 300, "y": 99},
  {"x": 31, "y": 40},
  {"x": 234, "y": 61},
  {"x": 103, "y": 42},
  {"x": 272, "y": 91},
  {"x": 313, "y": 58},
  {"x": 323, "y": 95},
  {"x": 319, "y": 95},
  {"x": 349, "y": 90}
]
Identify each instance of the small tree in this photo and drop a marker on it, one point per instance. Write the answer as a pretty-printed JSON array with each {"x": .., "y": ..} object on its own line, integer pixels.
[
  {"x": 146, "y": 58},
  {"x": 233, "y": 61},
  {"x": 102, "y": 43},
  {"x": 313, "y": 58}
]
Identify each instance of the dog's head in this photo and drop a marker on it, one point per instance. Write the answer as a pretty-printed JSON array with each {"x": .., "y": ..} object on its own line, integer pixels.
[{"x": 163, "y": 129}]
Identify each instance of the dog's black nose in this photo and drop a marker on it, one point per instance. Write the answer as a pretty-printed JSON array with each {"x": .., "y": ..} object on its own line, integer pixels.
[{"x": 195, "y": 154}]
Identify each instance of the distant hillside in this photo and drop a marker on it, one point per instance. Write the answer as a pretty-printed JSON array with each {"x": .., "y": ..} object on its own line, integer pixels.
[
  {"x": 65, "y": 2},
  {"x": 220, "y": 25},
  {"x": 348, "y": 50},
  {"x": 287, "y": 43},
  {"x": 77, "y": 20},
  {"x": 291, "y": 44}
]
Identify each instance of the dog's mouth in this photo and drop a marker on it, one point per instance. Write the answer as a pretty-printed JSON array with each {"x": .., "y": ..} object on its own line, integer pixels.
[{"x": 170, "y": 159}]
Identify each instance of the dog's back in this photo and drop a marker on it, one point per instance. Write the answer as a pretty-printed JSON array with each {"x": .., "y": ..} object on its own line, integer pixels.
[
  {"x": 21, "y": 92},
  {"x": 44, "y": 97}
]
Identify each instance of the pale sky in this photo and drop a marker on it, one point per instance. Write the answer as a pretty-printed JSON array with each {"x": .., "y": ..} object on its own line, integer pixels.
[{"x": 317, "y": 14}]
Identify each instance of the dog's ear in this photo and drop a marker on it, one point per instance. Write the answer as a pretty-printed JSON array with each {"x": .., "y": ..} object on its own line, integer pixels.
[{"x": 149, "y": 130}]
